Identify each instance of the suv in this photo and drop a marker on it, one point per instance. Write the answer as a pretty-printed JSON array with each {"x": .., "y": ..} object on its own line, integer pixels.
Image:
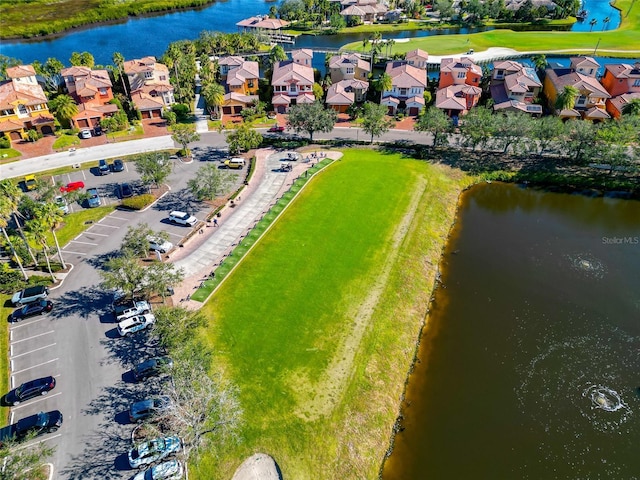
[
  {"x": 103, "y": 167},
  {"x": 159, "y": 245},
  {"x": 146, "y": 408},
  {"x": 29, "y": 295},
  {"x": 94, "y": 198},
  {"x": 39, "y": 307},
  {"x": 135, "y": 324},
  {"x": 130, "y": 309},
  {"x": 236, "y": 163},
  {"x": 182, "y": 218},
  {"x": 30, "y": 182},
  {"x": 33, "y": 388},
  {"x": 39, "y": 423},
  {"x": 152, "y": 367}
]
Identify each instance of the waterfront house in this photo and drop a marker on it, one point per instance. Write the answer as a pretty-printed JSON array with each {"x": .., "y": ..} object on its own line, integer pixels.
[
  {"x": 515, "y": 87},
  {"x": 292, "y": 82},
  {"x": 92, "y": 91},
  {"x": 345, "y": 93},
  {"x": 584, "y": 65},
  {"x": 263, "y": 25},
  {"x": 348, "y": 66},
  {"x": 365, "y": 11},
  {"x": 622, "y": 81},
  {"x": 23, "y": 104},
  {"x": 459, "y": 86},
  {"x": 240, "y": 79},
  {"x": 417, "y": 58},
  {"x": 459, "y": 71},
  {"x": 302, "y": 56},
  {"x": 151, "y": 78},
  {"x": 149, "y": 106},
  {"x": 408, "y": 84}
]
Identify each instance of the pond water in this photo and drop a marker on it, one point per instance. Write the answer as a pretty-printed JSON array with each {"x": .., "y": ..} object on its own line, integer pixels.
[
  {"x": 598, "y": 10},
  {"x": 529, "y": 366}
]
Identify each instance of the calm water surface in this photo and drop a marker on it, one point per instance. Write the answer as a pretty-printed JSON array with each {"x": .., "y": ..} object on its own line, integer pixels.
[{"x": 530, "y": 365}]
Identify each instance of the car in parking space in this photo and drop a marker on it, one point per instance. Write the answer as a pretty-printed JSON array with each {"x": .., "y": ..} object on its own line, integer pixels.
[
  {"x": 147, "y": 408},
  {"x": 94, "y": 199},
  {"x": 30, "y": 294},
  {"x": 117, "y": 165},
  {"x": 30, "y": 389},
  {"x": 71, "y": 187},
  {"x": 125, "y": 190},
  {"x": 84, "y": 134},
  {"x": 39, "y": 307},
  {"x": 134, "y": 324},
  {"x": 103, "y": 167},
  {"x": 235, "y": 163},
  {"x": 40, "y": 423},
  {"x": 182, "y": 218},
  {"x": 276, "y": 128},
  {"x": 152, "y": 451},
  {"x": 171, "y": 470},
  {"x": 62, "y": 204},
  {"x": 159, "y": 245},
  {"x": 152, "y": 367},
  {"x": 140, "y": 307},
  {"x": 97, "y": 130},
  {"x": 30, "y": 182}
]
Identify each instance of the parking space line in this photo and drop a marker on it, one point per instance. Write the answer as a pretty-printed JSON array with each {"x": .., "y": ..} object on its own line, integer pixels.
[
  {"x": 110, "y": 226},
  {"x": 175, "y": 234},
  {"x": 39, "y": 441},
  {"x": 43, "y": 397},
  {"x": 73, "y": 253},
  {"x": 35, "y": 336},
  {"x": 84, "y": 243},
  {"x": 34, "y": 366},
  {"x": 26, "y": 324},
  {"x": 93, "y": 233},
  {"x": 33, "y": 351},
  {"x": 118, "y": 218}
]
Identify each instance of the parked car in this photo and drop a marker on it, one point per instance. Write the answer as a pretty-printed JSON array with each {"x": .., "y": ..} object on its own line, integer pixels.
[
  {"x": 97, "y": 130},
  {"x": 143, "y": 409},
  {"x": 140, "y": 307},
  {"x": 182, "y": 218},
  {"x": 70, "y": 187},
  {"x": 235, "y": 163},
  {"x": 86, "y": 133},
  {"x": 30, "y": 182},
  {"x": 94, "y": 198},
  {"x": 30, "y": 294},
  {"x": 285, "y": 167},
  {"x": 152, "y": 451},
  {"x": 171, "y": 470},
  {"x": 117, "y": 165},
  {"x": 39, "y": 307},
  {"x": 159, "y": 245},
  {"x": 103, "y": 167},
  {"x": 39, "y": 423},
  {"x": 276, "y": 128},
  {"x": 134, "y": 324},
  {"x": 62, "y": 204},
  {"x": 125, "y": 190},
  {"x": 152, "y": 367},
  {"x": 30, "y": 389}
]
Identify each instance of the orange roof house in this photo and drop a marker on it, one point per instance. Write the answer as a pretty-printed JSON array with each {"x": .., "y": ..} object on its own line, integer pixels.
[
  {"x": 407, "y": 88},
  {"x": 622, "y": 81},
  {"x": 92, "y": 91},
  {"x": 292, "y": 83},
  {"x": 151, "y": 78}
]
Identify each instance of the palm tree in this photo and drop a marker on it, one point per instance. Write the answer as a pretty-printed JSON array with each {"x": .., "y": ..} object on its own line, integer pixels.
[
  {"x": 592, "y": 24},
  {"x": 38, "y": 230},
  {"x": 539, "y": 61},
  {"x": 5, "y": 213},
  {"x": 389, "y": 46},
  {"x": 118, "y": 61},
  {"x": 567, "y": 98},
  {"x": 384, "y": 83},
  {"x": 213, "y": 94},
  {"x": 632, "y": 107},
  {"x": 605, "y": 22},
  {"x": 64, "y": 108},
  {"x": 49, "y": 213},
  {"x": 11, "y": 193}
]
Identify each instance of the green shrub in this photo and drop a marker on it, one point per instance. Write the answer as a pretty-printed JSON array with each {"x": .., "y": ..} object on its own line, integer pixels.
[
  {"x": 5, "y": 142},
  {"x": 10, "y": 280},
  {"x": 182, "y": 111},
  {"x": 138, "y": 202}
]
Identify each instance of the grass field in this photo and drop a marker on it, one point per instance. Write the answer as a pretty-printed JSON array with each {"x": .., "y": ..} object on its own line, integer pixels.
[
  {"x": 318, "y": 325},
  {"x": 623, "y": 41},
  {"x": 4, "y": 351},
  {"x": 75, "y": 223}
]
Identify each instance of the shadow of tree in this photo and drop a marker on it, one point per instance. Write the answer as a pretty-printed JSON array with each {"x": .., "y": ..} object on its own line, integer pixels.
[
  {"x": 81, "y": 303},
  {"x": 182, "y": 200}
]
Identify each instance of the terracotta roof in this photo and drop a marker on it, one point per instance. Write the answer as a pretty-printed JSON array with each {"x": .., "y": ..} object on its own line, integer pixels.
[
  {"x": 406, "y": 76},
  {"x": 281, "y": 99},
  {"x": 620, "y": 101},
  {"x": 584, "y": 62},
  {"x": 346, "y": 59},
  {"x": 339, "y": 95},
  {"x": 263, "y": 22},
  {"x": 141, "y": 65},
  {"x": 522, "y": 82},
  {"x": 452, "y": 64},
  {"x": 144, "y": 101},
  {"x": 102, "y": 109},
  {"x": 417, "y": 99},
  {"x": 417, "y": 53},
  {"x": 75, "y": 71},
  {"x": 624, "y": 70},
  {"x": 583, "y": 83},
  {"x": 21, "y": 71},
  {"x": 596, "y": 113},
  {"x": 42, "y": 120},
  {"x": 388, "y": 100},
  {"x": 569, "y": 112},
  {"x": 453, "y": 97},
  {"x": 245, "y": 71},
  {"x": 289, "y": 72},
  {"x": 302, "y": 53},
  {"x": 231, "y": 61},
  {"x": 10, "y": 125},
  {"x": 239, "y": 97},
  {"x": 305, "y": 97},
  {"x": 28, "y": 94}
]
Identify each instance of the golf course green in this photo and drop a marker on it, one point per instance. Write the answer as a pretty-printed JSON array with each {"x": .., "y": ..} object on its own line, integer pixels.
[{"x": 318, "y": 325}]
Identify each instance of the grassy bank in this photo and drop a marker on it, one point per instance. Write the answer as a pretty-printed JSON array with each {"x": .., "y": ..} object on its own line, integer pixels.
[
  {"x": 4, "y": 350},
  {"x": 30, "y": 18},
  {"x": 318, "y": 325},
  {"x": 624, "y": 41}
]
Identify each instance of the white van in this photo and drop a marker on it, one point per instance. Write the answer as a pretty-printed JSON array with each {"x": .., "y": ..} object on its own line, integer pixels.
[{"x": 236, "y": 163}]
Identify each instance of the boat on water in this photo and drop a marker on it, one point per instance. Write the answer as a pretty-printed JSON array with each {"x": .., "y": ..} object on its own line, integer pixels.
[{"x": 582, "y": 14}]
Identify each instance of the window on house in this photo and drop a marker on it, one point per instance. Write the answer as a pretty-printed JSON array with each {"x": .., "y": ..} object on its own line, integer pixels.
[
  {"x": 462, "y": 74},
  {"x": 499, "y": 73},
  {"x": 163, "y": 78},
  {"x": 349, "y": 70},
  {"x": 403, "y": 91},
  {"x": 103, "y": 91},
  {"x": 148, "y": 75},
  {"x": 22, "y": 110},
  {"x": 581, "y": 101},
  {"x": 590, "y": 71},
  {"x": 6, "y": 112},
  {"x": 250, "y": 83},
  {"x": 38, "y": 107},
  {"x": 636, "y": 83},
  {"x": 293, "y": 88}
]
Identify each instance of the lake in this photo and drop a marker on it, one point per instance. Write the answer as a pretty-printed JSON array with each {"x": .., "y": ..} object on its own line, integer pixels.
[{"x": 529, "y": 365}]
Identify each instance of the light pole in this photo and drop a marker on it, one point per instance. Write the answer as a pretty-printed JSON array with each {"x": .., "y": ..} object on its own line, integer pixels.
[{"x": 597, "y": 44}]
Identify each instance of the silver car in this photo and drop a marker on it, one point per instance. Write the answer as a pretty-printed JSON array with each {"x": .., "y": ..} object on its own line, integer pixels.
[{"x": 149, "y": 452}]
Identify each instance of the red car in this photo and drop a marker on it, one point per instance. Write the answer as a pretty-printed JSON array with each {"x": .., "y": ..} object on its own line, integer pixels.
[
  {"x": 276, "y": 128},
  {"x": 72, "y": 186}
]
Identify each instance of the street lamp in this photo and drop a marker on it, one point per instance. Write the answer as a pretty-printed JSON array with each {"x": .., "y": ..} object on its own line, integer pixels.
[{"x": 596, "y": 49}]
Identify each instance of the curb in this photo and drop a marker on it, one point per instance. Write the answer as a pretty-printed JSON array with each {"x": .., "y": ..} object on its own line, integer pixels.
[
  {"x": 155, "y": 201},
  {"x": 61, "y": 280}
]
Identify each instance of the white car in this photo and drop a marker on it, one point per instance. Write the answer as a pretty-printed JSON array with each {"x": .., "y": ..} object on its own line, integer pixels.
[
  {"x": 159, "y": 245},
  {"x": 171, "y": 470},
  {"x": 182, "y": 218},
  {"x": 62, "y": 204},
  {"x": 135, "y": 324},
  {"x": 85, "y": 134},
  {"x": 130, "y": 310}
]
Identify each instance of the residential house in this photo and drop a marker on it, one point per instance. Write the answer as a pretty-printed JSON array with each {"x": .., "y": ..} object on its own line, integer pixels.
[
  {"x": 590, "y": 104},
  {"x": 23, "y": 104},
  {"x": 514, "y": 87},
  {"x": 584, "y": 65},
  {"x": 263, "y": 25},
  {"x": 228, "y": 63},
  {"x": 92, "y": 91},
  {"x": 407, "y": 90},
  {"x": 292, "y": 82},
  {"x": 149, "y": 106},
  {"x": 345, "y": 93},
  {"x": 150, "y": 78},
  {"x": 302, "y": 56},
  {"x": 348, "y": 66},
  {"x": 240, "y": 80},
  {"x": 366, "y": 11},
  {"x": 459, "y": 86},
  {"x": 622, "y": 81},
  {"x": 417, "y": 58}
]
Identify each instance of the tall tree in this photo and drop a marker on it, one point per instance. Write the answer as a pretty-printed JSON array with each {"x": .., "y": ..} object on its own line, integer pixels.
[
  {"x": 545, "y": 132},
  {"x": 511, "y": 130},
  {"x": 184, "y": 135},
  {"x": 136, "y": 240},
  {"x": 12, "y": 195},
  {"x": 84, "y": 59},
  {"x": 384, "y": 83},
  {"x": 478, "y": 127},
  {"x": 49, "y": 213},
  {"x": 566, "y": 99},
  {"x": 242, "y": 138},
  {"x": 605, "y": 22},
  {"x": 38, "y": 230},
  {"x": 632, "y": 107},
  {"x": 118, "y": 62},
  {"x": 154, "y": 168},
  {"x": 437, "y": 123},
  {"x": 50, "y": 72},
  {"x": 580, "y": 140},
  {"x": 5, "y": 213},
  {"x": 592, "y": 24},
  {"x": 311, "y": 118},
  {"x": 213, "y": 94},
  {"x": 123, "y": 272},
  {"x": 64, "y": 108},
  {"x": 374, "y": 120},
  {"x": 209, "y": 182}
]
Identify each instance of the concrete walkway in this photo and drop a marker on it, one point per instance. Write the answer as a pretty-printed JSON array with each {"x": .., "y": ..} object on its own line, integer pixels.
[{"x": 200, "y": 109}]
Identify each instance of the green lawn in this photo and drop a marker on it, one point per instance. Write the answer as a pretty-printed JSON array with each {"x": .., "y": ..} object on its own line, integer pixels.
[
  {"x": 75, "y": 223},
  {"x": 4, "y": 352},
  {"x": 625, "y": 40},
  {"x": 64, "y": 141},
  {"x": 318, "y": 324},
  {"x": 8, "y": 155}
]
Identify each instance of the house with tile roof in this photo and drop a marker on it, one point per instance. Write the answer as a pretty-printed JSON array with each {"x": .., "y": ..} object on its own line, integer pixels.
[
  {"x": 459, "y": 86},
  {"x": 150, "y": 78},
  {"x": 459, "y": 71},
  {"x": 622, "y": 81},
  {"x": 348, "y": 66},
  {"x": 417, "y": 58},
  {"x": 586, "y": 66},
  {"x": 23, "y": 104},
  {"x": 365, "y": 11},
  {"x": 514, "y": 87},
  {"x": 240, "y": 80},
  {"x": 92, "y": 91},
  {"x": 345, "y": 93},
  {"x": 292, "y": 82},
  {"x": 408, "y": 84}
]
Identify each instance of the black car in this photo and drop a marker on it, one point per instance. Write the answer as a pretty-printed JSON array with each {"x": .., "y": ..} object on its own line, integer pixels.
[
  {"x": 117, "y": 165},
  {"x": 39, "y": 307},
  {"x": 33, "y": 388},
  {"x": 103, "y": 167},
  {"x": 97, "y": 130},
  {"x": 125, "y": 190},
  {"x": 39, "y": 423},
  {"x": 152, "y": 367}
]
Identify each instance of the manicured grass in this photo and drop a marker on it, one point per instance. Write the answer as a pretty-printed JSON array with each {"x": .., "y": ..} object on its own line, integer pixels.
[
  {"x": 64, "y": 141},
  {"x": 75, "y": 223},
  {"x": 319, "y": 323},
  {"x": 4, "y": 351},
  {"x": 133, "y": 134},
  {"x": 8, "y": 155},
  {"x": 625, "y": 40}
]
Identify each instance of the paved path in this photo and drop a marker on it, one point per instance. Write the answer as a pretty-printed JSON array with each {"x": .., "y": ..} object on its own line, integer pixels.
[{"x": 199, "y": 110}]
